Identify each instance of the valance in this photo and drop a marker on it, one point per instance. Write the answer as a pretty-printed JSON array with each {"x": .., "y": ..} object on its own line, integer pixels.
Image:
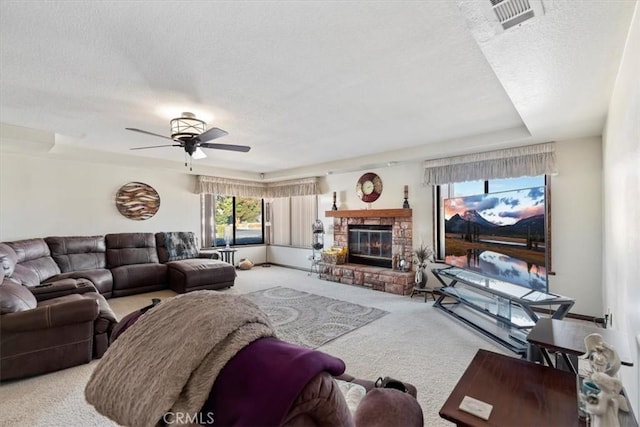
[
  {"x": 531, "y": 160},
  {"x": 240, "y": 188}
]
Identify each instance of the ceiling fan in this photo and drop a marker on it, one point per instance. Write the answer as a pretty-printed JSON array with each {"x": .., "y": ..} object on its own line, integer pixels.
[{"x": 191, "y": 134}]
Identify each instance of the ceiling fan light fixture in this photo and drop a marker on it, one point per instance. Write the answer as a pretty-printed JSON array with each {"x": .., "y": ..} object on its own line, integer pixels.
[
  {"x": 187, "y": 126},
  {"x": 198, "y": 154}
]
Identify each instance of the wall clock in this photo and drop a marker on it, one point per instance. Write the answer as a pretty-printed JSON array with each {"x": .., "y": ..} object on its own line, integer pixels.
[
  {"x": 369, "y": 187},
  {"x": 137, "y": 201}
]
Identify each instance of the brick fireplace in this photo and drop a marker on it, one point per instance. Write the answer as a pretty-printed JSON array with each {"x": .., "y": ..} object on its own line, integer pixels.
[{"x": 399, "y": 222}]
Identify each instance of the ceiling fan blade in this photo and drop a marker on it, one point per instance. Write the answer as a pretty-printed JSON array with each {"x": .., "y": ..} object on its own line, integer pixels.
[
  {"x": 229, "y": 147},
  {"x": 149, "y": 133},
  {"x": 156, "y": 146},
  {"x": 210, "y": 134}
]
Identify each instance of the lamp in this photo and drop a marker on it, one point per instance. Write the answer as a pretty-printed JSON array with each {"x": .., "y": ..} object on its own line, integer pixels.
[{"x": 187, "y": 126}]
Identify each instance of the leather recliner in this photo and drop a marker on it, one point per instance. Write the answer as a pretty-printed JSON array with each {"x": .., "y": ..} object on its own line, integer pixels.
[
  {"x": 44, "y": 326},
  {"x": 35, "y": 268},
  {"x": 82, "y": 257},
  {"x": 42, "y": 337}
]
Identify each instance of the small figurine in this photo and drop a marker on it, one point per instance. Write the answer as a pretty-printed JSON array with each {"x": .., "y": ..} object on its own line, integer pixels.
[
  {"x": 602, "y": 357},
  {"x": 603, "y": 398},
  {"x": 604, "y": 406}
]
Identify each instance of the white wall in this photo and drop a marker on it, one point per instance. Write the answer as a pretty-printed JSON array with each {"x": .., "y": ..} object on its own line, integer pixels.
[
  {"x": 43, "y": 196},
  {"x": 576, "y": 221},
  {"x": 394, "y": 179},
  {"x": 621, "y": 150}
]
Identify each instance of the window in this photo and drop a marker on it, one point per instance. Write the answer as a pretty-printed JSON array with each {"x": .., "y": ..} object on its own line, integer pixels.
[
  {"x": 232, "y": 220},
  {"x": 291, "y": 219}
]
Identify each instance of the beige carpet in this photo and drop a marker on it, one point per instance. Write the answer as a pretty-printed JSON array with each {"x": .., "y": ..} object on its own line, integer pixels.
[{"x": 414, "y": 343}]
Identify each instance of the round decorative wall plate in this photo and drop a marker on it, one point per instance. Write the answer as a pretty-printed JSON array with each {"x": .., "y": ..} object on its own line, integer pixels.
[
  {"x": 369, "y": 187},
  {"x": 137, "y": 201}
]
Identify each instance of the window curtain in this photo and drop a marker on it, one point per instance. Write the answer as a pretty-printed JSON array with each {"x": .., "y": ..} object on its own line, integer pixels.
[
  {"x": 236, "y": 187},
  {"x": 531, "y": 160},
  {"x": 291, "y": 220},
  {"x": 280, "y": 218},
  {"x": 303, "y": 214}
]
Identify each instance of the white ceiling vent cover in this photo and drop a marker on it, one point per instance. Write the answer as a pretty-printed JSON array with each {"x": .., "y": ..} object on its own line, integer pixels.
[{"x": 513, "y": 12}]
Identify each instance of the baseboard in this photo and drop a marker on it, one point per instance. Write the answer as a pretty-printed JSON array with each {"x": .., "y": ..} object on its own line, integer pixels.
[{"x": 577, "y": 316}]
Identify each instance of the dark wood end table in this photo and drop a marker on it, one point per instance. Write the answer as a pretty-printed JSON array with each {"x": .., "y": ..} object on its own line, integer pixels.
[
  {"x": 567, "y": 338},
  {"x": 522, "y": 393}
]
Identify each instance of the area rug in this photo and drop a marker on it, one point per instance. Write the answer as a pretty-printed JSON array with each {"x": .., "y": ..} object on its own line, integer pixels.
[{"x": 311, "y": 320}]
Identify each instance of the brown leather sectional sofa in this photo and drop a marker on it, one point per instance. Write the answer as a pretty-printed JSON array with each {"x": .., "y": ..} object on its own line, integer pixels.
[{"x": 53, "y": 293}]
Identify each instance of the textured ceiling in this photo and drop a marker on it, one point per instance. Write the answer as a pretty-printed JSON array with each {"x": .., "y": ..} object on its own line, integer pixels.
[{"x": 308, "y": 85}]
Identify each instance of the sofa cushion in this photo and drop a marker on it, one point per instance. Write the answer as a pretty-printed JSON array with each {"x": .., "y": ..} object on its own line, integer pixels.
[
  {"x": 130, "y": 248},
  {"x": 15, "y": 297},
  {"x": 9, "y": 259},
  {"x": 77, "y": 253},
  {"x": 102, "y": 279},
  {"x": 179, "y": 245},
  {"x": 34, "y": 254},
  {"x": 25, "y": 276},
  {"x": 138, "y": 278}
]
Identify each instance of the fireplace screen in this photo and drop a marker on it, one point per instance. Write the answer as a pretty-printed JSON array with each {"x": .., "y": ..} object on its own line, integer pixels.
[{"x": 370, "y": 245}]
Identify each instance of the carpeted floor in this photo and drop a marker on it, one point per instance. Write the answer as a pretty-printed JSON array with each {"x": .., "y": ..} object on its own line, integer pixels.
[
  {"x": 311, "y": 320},
  {"x": 414, "y": 342}
]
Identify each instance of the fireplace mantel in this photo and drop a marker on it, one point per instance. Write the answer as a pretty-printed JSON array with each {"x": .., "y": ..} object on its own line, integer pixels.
[{"x": 370, "y": 213}]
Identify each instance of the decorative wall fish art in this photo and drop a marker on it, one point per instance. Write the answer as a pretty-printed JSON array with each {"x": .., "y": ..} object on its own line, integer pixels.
[{"x": 137, "y": 201}]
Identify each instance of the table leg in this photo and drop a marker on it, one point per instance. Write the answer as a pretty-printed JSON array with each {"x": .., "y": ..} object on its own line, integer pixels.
[
  {"x": 568, "y": 362},
  {"x": 546, "y": 356}
]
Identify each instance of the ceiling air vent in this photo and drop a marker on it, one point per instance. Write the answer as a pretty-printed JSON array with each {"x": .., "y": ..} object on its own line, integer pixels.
[{"x": 513, "y": 12}]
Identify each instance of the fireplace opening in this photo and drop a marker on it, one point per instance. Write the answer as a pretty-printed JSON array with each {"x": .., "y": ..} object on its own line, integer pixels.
[{"x": 371, "y": 245}]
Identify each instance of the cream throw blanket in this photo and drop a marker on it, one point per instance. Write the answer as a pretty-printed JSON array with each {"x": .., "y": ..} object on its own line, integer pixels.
[{"x": 169, "y": 359}]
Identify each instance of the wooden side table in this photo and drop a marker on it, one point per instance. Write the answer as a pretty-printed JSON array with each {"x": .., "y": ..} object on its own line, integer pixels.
[
  {"x": 567, "y": 338},
  {"x": 522, "y": 393}
]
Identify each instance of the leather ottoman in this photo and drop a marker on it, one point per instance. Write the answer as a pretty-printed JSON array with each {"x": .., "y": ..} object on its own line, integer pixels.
[{"x": 200, "y": 273}]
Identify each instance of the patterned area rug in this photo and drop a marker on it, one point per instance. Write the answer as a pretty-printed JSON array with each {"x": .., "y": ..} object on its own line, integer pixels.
[{"x": 311, "y": 320}]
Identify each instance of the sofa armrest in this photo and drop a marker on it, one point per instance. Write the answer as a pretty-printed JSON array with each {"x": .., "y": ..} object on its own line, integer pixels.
[
  {"x": 61, "y": 287},
  {"x": 67, "y": 312}
]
